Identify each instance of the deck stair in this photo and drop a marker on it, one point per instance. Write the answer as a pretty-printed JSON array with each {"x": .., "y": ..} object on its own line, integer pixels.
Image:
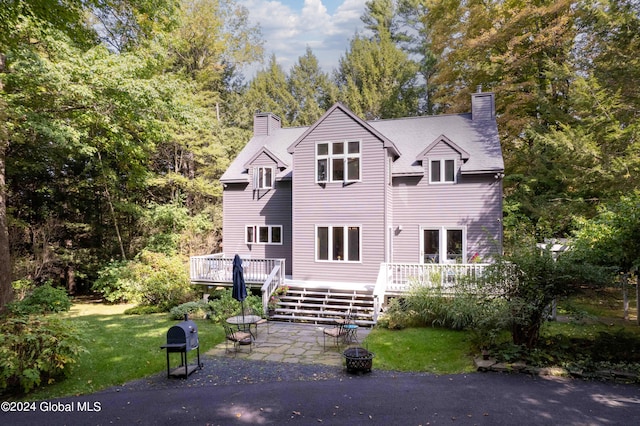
[{"x": 325, "y": 305}]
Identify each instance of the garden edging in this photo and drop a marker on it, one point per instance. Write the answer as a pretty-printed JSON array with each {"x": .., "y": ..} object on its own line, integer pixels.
[{"x": 491, "y": 364}]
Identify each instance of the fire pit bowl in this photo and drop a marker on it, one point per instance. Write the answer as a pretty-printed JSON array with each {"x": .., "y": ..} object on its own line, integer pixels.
[{"x": 358, "y": 360}]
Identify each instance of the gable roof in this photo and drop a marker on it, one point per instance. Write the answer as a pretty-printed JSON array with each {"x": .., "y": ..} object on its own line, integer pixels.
[
  {"x": 442, "y": 138},
  {"x": 276, "y": 143},
  {"x": 414, "y": 135},
  {"x": 268, "y": 153},
  {"x": 386, "y": 142},
  {"x": 408, "y": 138}
]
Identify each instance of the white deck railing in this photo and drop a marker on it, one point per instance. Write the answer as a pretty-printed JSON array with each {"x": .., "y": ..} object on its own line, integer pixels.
[
  {"x": 393, "y": 278},
  {"x": 398, "y": 277},
  {"x": 217, "y": 268}
]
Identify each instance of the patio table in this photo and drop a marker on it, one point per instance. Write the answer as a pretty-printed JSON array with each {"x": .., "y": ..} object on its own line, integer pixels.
[
  {"x": 351, "y": 334},
  {"x": 244, "y": 322}
]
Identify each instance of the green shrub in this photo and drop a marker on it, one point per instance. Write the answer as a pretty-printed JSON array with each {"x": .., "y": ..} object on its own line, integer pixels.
[
  {"x": 35, "y": 350},
  {"x": 114, "y": 281},
  {"x": 397, "y": 316},
  {"x": 152, "y": 279},
  {"x": 617, "y": 346},
  {"x": 223, "y": 305},
  {"x": 459, "y": 308},
  {"x": 199, "y": 309},
  {"x": 451, "y": 308},
  {"x": 43, "y": 299},
  {"x": 22, "y": 288},
  {"x": 143, "y": 310}
]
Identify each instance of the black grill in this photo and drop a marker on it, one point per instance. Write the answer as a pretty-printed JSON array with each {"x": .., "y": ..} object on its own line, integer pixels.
[{"x": 182, "y": 338}]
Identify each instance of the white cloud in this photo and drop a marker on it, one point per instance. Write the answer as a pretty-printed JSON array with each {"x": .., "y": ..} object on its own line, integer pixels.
[{"x": 289, "y": 26}]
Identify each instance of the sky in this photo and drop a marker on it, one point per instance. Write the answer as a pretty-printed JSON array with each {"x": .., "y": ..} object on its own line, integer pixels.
[{"x": 289, "y": 26}]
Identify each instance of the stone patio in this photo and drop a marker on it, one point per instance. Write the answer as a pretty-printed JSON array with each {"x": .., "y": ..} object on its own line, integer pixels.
[{"x": 292, "y": 343}]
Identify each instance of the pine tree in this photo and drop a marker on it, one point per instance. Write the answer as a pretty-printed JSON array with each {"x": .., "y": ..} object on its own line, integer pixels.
[{"x": 312, "y": 90}]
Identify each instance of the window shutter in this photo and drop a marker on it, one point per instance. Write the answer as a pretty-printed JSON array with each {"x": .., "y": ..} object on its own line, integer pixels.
[{"x": 256, "y": 177}]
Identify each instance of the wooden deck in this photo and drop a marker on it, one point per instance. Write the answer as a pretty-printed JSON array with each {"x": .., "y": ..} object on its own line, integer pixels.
[
  {"x": 394, "y": 279},
  {"x": 217, "y": 269}
]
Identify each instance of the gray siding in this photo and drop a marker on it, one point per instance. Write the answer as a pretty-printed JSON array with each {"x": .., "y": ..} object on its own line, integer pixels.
[
  {"x": 262, "y": 160},
  {"x": 242, "y": 206},
  {"x": 360, "y": 203},
  {"x": 483, "y": 106},
  {"x": 441, "y": 151},
  {"x": 475, "y": 203},
  {"x": 265, "y": 124}
]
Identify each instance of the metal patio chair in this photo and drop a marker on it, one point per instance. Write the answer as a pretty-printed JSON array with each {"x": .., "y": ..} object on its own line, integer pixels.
[
  {"x": 338, "y": 332},
  {"x": 237, "y": 337}
]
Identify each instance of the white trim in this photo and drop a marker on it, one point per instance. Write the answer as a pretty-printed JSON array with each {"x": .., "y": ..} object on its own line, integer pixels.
[
  {"x": 256, "y": 234},
  {"x": 345, "y": 156},
  {"x": 442, "y": 243},
  {"x": 443, "y": 162},
  {"x": 330, "y": 243},
  {"x": 260, "y": 177}
]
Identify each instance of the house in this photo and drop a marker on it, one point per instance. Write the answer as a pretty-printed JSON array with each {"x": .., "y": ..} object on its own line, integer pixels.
[{"x": 339, "y": 198}]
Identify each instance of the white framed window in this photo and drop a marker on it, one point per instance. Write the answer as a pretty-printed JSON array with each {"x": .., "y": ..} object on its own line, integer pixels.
[
  {"x": 263, "y": 177},
  {"x": 442, "y": 171},
  {"x": 263, "y": 234},
  {"x": 452, "y": 241},
  {"x": 338, "y": 161},
  {"x": 338, "y": 243}
]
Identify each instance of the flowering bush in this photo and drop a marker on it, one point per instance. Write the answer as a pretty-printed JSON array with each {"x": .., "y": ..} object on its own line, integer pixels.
[
  {"x": 282, "y": 290},
  {"x": 274, "y": 300}
]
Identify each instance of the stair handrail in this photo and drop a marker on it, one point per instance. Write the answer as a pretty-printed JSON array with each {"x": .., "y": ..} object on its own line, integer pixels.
[
  {"x": 380, "y": 290},
  {"x": 273, "y": 281}
]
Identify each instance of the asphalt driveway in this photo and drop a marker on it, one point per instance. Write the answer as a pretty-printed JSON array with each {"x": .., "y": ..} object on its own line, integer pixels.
[{"x": 232, "y": 391}]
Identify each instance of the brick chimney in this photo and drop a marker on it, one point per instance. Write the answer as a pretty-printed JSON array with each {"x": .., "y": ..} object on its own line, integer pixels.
[
  {"x": 265, "y": 123},
  {"x": 483, "y": 105}
]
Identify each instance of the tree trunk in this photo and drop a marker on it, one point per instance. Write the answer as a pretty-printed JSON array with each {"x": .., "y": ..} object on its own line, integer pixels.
[
  {"x": 638, "y": 296},
  {"x": 70, "y": 278},
  {"x": 625, "y": 295},
  {"x": 6, "y": 290},
  {"x": 525, "y": 335}
]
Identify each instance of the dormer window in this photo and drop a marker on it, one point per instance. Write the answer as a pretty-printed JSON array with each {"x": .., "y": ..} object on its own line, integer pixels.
[
  {"x": 338, "y": 161},
  {"x": 263, "y": 178},
  {"x": 442, "y": 171}
]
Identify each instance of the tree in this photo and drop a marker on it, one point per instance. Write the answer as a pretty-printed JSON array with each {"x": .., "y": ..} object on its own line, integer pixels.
[
  {"x": 311, "y": 88},
  {"x": 376, "y": 79},
  {"x": 21, "y": 23},
  {"x": 610, "y": 239},
  {"x": 126, "y": 24},
  {"x": 379, "y": 17},
  {"x": 529, "y": 280},
  {"x": 269, "y": 92},
  {"x": 214, "y": 39},
  {"x": 416, "y": 39}
]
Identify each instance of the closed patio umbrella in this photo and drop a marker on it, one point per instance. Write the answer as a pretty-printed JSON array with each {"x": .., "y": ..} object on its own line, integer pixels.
[{"x": 239, "y": 291}]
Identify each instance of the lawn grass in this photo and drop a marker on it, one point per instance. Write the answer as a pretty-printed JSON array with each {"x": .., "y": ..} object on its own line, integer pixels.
[
  {"x": 119, "y": 348},
  {"x": 425, "y": 349},
  {"x": 605, "y": 302}
]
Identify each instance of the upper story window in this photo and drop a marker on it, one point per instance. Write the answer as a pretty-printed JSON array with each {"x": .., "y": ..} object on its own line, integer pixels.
[
  {"x": 263, "y": 234},
  {"x": 263, "y": 178},
  {"x": 338, "y": 161},
  {"x": 442, "y": 171}
]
